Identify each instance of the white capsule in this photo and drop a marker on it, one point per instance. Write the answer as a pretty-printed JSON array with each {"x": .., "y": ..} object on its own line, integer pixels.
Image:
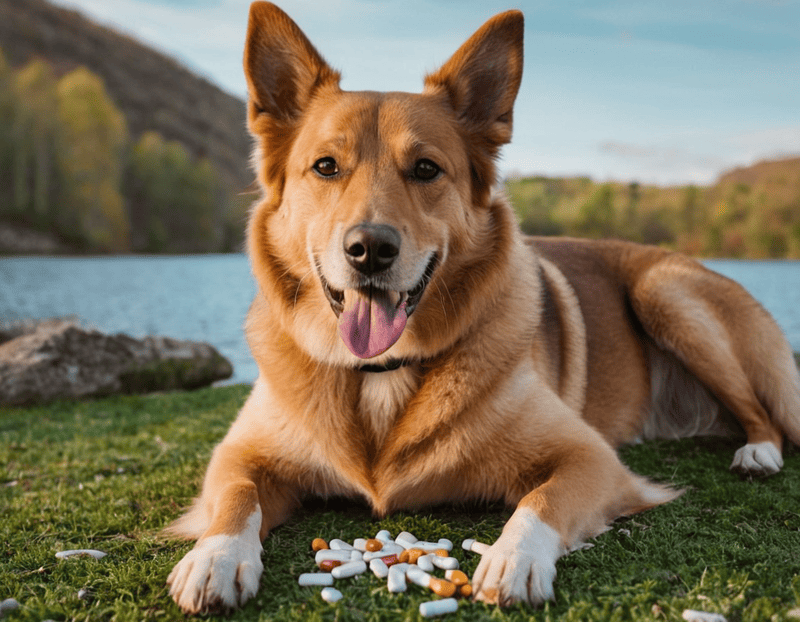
[
  {"x": 379, "y": 568},
  {"x": 405, "y": 539},
  {"x": 388, "y": 549},
  {"x": 445, "y": 544},
  {"x": 349, "y": 570},
  {"x": 360, "y": 544},
  {"x": 315, "y": 578},
  {"x": 81, "y": 553},
  {"x": 384, "y": 536},
  {"x": 396, "y": 579},
  {"x": 337, "y": 556},
  {"x": 425, "y": 563},
  {"x": 340, "y": 545},
  {"x": 445, "y": 563},
  {"x": 330, "y": 594},
  {"x": 356, "y": 555},
  {"x": 473, "y": 545},
  {"x": 692, "y": 615},
  {"x": 438, "y": 607}
]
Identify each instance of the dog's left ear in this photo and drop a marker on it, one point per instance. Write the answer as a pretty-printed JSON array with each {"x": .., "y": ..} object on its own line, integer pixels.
[{"x": 481, "y": 81}]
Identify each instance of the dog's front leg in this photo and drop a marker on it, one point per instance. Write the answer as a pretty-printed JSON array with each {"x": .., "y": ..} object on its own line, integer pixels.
[
  {"x": 587, "y": 488},
  {"x": 239, "y": 506}
]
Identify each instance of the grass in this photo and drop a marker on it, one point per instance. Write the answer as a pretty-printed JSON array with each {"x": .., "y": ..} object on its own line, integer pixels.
[{"x": 110, "y": 473}]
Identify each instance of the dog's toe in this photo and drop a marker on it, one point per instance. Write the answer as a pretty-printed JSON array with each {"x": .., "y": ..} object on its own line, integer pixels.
[{"x": 757, "y": 459}]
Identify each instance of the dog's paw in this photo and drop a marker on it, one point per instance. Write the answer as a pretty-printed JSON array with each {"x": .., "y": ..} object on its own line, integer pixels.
[
  {"x": 757, "y": 459},
  {"x": 220, "y": 573},
  {"x": 521, "y": 565}
]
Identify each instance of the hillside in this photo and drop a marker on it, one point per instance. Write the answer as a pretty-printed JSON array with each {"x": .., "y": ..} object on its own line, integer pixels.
[
  {"x": 153, "y": 91},
  {"x": 749, "y": 212}
]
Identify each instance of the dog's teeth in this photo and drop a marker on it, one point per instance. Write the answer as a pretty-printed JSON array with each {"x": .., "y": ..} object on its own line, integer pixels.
[{"x": 403, "y": 298}]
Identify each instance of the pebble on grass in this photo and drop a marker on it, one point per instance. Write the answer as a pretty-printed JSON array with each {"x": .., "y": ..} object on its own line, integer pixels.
[{"x": 81, "y": 553}]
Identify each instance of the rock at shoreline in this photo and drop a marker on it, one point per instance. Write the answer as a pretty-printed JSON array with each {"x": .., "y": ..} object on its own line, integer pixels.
[{"x": 58, "y": 359}]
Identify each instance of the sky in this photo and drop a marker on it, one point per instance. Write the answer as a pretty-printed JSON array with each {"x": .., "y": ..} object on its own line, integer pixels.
[{"x": 654, "y": 91}]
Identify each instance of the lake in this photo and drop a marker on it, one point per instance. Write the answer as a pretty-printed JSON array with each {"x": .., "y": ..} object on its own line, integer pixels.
[{"x": 206, "y": 297}]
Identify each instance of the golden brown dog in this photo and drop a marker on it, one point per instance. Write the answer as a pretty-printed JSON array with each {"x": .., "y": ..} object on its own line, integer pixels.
[{"x": 415, "y": 348}]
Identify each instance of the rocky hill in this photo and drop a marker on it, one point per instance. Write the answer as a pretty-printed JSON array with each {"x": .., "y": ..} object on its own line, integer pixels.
[{"x": 154, "y": 91}]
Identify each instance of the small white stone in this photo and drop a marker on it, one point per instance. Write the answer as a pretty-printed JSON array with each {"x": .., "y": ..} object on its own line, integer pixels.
[{"x": 9, "y": 604}]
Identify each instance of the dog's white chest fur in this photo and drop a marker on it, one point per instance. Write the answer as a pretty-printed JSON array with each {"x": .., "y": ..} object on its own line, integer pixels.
[{"x": 384, "y": 396}]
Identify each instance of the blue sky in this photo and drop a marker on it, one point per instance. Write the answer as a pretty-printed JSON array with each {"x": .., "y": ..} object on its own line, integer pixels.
[{"x": 664, "y": 91}]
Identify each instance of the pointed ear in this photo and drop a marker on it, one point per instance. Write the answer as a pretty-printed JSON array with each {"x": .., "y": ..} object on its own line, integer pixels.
[
  {"x": 283, "y": 72},
  {"x": 282, "y": 67},
  {"x": 481, "y": 81}
]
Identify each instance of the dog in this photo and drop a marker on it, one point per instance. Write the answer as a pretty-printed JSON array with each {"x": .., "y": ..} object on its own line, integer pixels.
[{"x": 415, "y": 348}]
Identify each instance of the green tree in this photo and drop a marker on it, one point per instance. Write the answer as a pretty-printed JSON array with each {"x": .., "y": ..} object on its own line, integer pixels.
[
  {"x": 34, "y": 128},
  {"x": 174, "y": 201},
  {"x": 596, "y": 218},
  {"x": 93, "y": 138},
  {"x": 7, "y": 150}
]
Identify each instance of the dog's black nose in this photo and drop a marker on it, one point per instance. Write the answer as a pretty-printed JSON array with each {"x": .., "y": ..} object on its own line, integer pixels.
[{"x": 371, "y": 248}]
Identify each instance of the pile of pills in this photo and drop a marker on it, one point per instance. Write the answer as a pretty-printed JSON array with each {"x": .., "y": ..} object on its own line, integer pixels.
[{"x": 399, "y": 561}]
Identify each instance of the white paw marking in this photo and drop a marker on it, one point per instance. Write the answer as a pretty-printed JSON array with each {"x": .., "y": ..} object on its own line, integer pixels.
[
  {"x": 521, "y": 565},
  {"x": 220, "y": 572},
  {"x": 757, "y": 459}
]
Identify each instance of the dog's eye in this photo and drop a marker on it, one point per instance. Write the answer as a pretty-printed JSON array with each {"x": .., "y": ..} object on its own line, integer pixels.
[
  {"x": 326, "y": 167},
  {"x": 426, "y": 170}
]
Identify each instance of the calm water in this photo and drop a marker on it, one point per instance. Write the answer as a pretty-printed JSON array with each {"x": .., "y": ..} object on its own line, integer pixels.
[{"x": 206, "y": 297}]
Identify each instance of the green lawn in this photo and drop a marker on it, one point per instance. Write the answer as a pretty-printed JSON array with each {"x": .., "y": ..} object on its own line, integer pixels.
[{"x": 109, "y": 474}]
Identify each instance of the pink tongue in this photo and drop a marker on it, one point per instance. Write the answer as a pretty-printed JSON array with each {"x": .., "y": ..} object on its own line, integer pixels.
[{"x": 370, "y": 324}]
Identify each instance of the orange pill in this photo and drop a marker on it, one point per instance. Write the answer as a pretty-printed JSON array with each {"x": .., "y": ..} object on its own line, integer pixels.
[
  {"x": 441, "y": 587},
  {"x": 465, "y": 590},
  {"x": 411, "y": 555},
  {"x": 457, "y": 576},
  {"x": 327, "y": 565},
  {"x": 374, "y": 545},
  {"x": 442, "y": 553},
  {"x": 318, "y": 544}
]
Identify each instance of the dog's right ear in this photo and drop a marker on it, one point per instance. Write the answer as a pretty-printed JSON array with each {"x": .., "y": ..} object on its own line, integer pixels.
[{"x": 283, "y": 69}]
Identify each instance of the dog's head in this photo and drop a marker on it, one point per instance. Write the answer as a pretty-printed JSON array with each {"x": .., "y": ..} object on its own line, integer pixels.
[{"x": 376, "y": 221}]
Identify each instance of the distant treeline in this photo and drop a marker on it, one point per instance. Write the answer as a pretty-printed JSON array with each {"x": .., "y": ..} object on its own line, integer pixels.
[
  {"x": 68, "y": 166},
  {"x": 748, "y": 213}
]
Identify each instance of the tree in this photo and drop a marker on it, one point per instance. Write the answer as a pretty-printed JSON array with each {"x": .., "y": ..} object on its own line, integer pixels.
[
  {"x": 33, "y": 136},
  {"x": 596, "y": 217},
  {"x": 93, "y": 137}
]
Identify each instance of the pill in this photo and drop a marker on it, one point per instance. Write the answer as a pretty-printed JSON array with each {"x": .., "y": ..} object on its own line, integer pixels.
[
  {"x": 456, "y": 576},
  {"x": 318, "y": 544},
  {"x": 445, "y": 563},
  {"x": 374, "y": 545},
  {"x": 390, "y": 560},
  {"x": 349, "y": 569},
  {"x": 438, "y": 607},
  {"x": 329, "y": 564},
  {"x": 405, "y": 539},
  {"x": 379, "y": 568},
  {"x": 384, "y": 536},
  {"x": 360, "y": 544},
  {"x": 356, "y": 555},
  {"x": 440, "y": 587},
  {"x": 442, "y": 552},
  {"x": 81, "y": 553},
  {"x": 474, "y": 546},
  {"x": 445, "y": 544},
  {"x": 692, "y": 615},
  {"x": 340, "y": 545},
  {"x": 396, "y": 579},
  {"x": 389, "y": 549},
  {"x": 425, "y": 563},
  {"x": 330, "y": 594},
  {"x": 411, "y": 555},
  {"x": 315, "y": 578},
  {"x": 339, "y": 556},
  {"x": 465, "y": 590}
]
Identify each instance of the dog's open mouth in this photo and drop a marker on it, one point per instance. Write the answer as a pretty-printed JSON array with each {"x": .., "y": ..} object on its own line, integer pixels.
[{"x": 371, "y": 320}]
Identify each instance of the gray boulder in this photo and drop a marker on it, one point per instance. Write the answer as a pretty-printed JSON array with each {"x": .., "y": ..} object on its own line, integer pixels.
[{"x": 58, "y": 359}]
